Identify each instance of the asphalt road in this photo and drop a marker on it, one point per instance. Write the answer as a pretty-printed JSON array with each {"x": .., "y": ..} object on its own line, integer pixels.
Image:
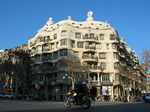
[{"x": 28, "y": 106}]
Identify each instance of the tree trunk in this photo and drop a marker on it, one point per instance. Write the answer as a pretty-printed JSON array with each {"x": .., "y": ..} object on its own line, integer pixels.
[{"x": 16, "y": 87}]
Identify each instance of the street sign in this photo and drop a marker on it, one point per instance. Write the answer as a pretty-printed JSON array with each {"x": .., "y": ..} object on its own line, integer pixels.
[{"x": 2, "y": 83}]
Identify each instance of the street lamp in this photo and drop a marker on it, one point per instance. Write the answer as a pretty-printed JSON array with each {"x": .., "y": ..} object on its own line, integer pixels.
[{"x": 66, "y": 77}]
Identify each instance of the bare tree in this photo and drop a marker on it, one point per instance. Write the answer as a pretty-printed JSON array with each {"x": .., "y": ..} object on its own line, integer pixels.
[
  {"x": 127, "y": 74},
  {"x": 22, "y": 69},
  {"x": 75, "y": 68},
  {"x": 6, "y": 68},
  {"x": 47, "y": 68}
]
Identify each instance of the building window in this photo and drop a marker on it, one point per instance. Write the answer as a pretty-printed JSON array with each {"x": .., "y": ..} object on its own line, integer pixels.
[
  {"x": 37, "y": 58},
  {"x": 55, "y": 55},
  {"x": 86, "y": 55},
  {"x": 46, "y": 57},
  {"x": 80, "y": 44},
  {"x": 52, "y": 46},
  {"x": 107, "y": 46},
  {"x": 102, "y": 56},
  {"x": 103, "y": 66},
  {"x": 55, "y": 36},
  {"x": 76, "y": 54},
  {"x": 63, "y": 42},
  {"x": 86, "y": 36},
  {"x": 115, "y": 55},
  {"x": 40, "y": 39},
  {"x": 112, "y": 37},
  {"x": 73, "y": 44},
  {"x": 114, "y": 46},
  {"x": 64, "y": 33},
  {"x": 116, "y": 65},
  {"x": 57, "y": 44},
  {"x": 78, "y": 35},
  {"x": 46, "y": 47},
  {"x": 101, "y": 36},
  {"x": 91, "y": 36},
  {"x": 98, "y": 46},
  {"x": 63, "y": 52},
  {"x": 46, "y": 38},
  {"x": 39, "y": 48},
  {"x": 105, "y": 77},
  {"x": 117, "y": 78}
]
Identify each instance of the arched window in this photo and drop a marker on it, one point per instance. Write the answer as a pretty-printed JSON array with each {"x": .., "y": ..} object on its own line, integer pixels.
[
  {"x": 55, "y": 36},
  {"x": 63, "y": 52},
  {"x": 64, "y": 33},
  {"x": 86, "y": 36}
]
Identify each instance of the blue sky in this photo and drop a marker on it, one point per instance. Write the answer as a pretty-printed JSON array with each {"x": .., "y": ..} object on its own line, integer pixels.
[{"x": 20, "y": 19}]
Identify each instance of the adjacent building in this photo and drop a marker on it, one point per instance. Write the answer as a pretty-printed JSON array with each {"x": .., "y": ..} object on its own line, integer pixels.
[{"x": 8, "y": 60}]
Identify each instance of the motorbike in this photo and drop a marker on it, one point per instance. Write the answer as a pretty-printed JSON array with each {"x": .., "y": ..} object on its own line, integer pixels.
[{"x": 72, "y": 99}]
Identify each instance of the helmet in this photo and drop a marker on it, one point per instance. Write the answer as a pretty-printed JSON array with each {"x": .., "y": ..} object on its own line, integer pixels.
[{"x": 84, "y": 83}]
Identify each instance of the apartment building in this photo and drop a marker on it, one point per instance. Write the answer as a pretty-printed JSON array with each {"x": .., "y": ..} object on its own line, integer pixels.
[
  {"x": 94, "y": 42},
  {"x": 8, "y": 69}
]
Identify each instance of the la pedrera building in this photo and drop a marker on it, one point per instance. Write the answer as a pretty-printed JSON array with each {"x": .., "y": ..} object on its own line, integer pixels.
[{"x": 114, "y": 69}]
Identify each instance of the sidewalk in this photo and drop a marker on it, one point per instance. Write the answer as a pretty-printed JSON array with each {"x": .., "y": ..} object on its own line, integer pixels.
[
  {"x": 12, "y": 100},
  {"x": 114, "y": 102}
]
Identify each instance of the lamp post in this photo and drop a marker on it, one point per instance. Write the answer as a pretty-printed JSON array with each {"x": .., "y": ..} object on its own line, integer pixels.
[
  {"x": 102, "y": 67},
  {"x": 66, "y": 77}
]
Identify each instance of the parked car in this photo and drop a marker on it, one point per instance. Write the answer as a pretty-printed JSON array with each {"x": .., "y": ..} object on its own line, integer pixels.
[
  {"x": 7, "y": 95},
  {"x": 1, "y": 94},
  {"x": 147, "y": 98}
]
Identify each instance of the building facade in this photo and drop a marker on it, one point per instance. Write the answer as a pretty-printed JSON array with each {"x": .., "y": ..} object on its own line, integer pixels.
[
  {"x": 9, "y": 68},
  {"x": 114, "y": 67}
]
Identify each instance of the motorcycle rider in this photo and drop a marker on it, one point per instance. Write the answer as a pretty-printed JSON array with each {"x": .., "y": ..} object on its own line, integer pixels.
[{"x": 81, "y": 89}]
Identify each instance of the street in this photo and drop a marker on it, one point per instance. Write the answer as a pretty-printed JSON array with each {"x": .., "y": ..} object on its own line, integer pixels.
[{"x": 45, "y": 106}]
